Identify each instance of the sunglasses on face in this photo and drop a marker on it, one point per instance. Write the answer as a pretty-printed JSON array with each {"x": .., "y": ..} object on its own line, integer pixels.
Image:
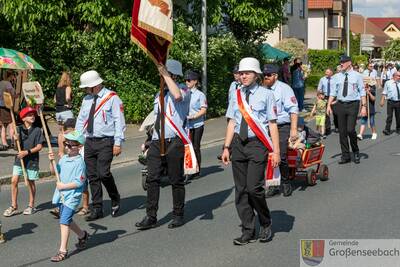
[
  {"x": 69, "y": 145},
  {"x": 268, "y": 75}
]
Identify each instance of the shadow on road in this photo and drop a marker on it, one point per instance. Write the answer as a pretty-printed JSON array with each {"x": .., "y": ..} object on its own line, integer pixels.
[
  {"x": 127, "y": 204},
  {"x": 202, "y": 207},
  {"x": 281, "y": 221},
  {"x": 25, "y": 229}
]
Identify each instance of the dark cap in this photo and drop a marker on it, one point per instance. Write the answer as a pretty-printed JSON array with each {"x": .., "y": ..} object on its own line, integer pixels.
[
  {"x": 344, "y": 59},
  {"x": 270, "y": 68},
  {"x": 191, "y": 75},
  {"x": 235, "y": 69}
]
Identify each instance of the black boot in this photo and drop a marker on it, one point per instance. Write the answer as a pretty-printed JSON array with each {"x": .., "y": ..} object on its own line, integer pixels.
[
  {"x": 146, "y": 223},
  {"x": 177, "y": 221}
]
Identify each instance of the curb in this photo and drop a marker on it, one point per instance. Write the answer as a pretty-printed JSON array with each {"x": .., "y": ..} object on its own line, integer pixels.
[{"x": 6, "y": 180}]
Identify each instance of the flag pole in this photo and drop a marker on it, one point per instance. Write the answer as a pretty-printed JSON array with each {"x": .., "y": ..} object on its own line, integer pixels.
[{"x": 162, "y": 119}]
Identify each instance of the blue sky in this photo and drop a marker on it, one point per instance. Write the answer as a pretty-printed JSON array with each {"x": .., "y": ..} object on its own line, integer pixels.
[{"x": 377, "y": 8}]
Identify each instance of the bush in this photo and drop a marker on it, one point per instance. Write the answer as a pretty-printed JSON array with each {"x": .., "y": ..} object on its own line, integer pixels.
[
  {"x": 360, "y": 59},
  {"x": 320, "y": 60},
  {"x": 313, "y": 80}
]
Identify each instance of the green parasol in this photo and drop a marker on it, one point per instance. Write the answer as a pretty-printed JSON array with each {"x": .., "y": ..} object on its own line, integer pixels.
[
  {"x": 11, "y": 59},
  {"x": 273, "y": 53}
]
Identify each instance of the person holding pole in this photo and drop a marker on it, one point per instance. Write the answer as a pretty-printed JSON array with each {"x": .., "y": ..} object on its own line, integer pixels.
[
  {"x": 31, "y": 139},
  {"x": 176, "y": 106},
  {"x": 101, "y": 119},
  {"x": 370, "y": 80},
  {"x": 251, "y": 111},
  {"x": 391, "y": 93},
  {"x": 349, "y": 91}
]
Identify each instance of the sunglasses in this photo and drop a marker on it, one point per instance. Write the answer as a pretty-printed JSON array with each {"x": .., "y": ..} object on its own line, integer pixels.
[
  {"x": 269, "y": 75},
  {"x": 68, "y": 144}
]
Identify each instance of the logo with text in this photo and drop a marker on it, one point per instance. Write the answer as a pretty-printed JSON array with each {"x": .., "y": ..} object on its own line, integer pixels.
[{"x": 312, "y": 251}]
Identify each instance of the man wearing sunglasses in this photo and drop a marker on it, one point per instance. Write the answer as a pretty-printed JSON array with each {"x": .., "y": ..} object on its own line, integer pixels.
[
  {"x": 101, "y": 119},
  {"x": 287, "y": 110}
]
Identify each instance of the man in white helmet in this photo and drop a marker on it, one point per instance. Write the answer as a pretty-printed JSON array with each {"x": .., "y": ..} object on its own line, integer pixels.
[
  {"x": 176, "y": 104},
  {"x": 101, "y": 119},
  {"x": 250, "y": 105}
]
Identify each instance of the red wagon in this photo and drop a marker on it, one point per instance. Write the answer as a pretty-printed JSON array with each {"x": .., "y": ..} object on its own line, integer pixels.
[{"x": 300, "y": 161}]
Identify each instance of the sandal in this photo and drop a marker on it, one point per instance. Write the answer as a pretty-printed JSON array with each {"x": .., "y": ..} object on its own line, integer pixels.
[
  {"x": 82, "y": 242},
  {"x": 60, "y": 256},
  {"x": 11, "y": 211},
  {"x": 83, "y": 211},
  {"x": 55, "y": 212},
  {"x": 3, "y": 147}
]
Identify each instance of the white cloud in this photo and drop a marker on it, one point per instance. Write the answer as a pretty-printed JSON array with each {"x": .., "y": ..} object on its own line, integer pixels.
[{"x": 377, "y": 8}]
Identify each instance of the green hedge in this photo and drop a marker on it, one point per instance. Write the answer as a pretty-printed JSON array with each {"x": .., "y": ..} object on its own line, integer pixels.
[
  {"x": 322, "y": 59},
  {"x": 313, "y": 80}
]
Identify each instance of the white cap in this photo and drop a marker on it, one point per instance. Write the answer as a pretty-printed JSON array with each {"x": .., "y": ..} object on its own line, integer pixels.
[
  {"x": 174, "y": 66},
  {"x": 90, "y": 79},
  {"x": 250, "y": 64}
]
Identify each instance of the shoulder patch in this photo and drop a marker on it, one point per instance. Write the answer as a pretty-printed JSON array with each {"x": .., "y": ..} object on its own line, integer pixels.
[
  {"x": 121, "y": 107},
  {"x": 293, "y": 99},
  {"x": 275, "y": 111}
]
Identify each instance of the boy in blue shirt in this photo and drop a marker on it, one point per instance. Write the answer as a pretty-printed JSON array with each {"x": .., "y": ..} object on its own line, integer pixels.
[{"x": 67, "y": 195}]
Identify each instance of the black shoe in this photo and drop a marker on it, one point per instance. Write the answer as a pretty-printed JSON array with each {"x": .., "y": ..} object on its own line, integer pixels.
[
  {"x": 344, "y": 161},
  {"x": 385, "y": 132},
  {"x": 272, "y": 191},
  {"x": 94, "y": 215},
  {"x": 176, "y": 222},
  {"x": 146, "y": 223},
  {"x": 356, "y": 158},
  {"x": 244, "y": 239},
  {"x": 287, "y": 189},
  {"x": 265, "y": 233},
  {"x": 114, "y": 210}
]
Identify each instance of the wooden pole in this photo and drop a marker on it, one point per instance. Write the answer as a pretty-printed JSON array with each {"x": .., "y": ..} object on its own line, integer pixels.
[
  {"x": 369, "y": 121},
  {"x": 9, "y": 103},
  {"x": 46, "y": 134},
  {"x": 162, "y": 119}
]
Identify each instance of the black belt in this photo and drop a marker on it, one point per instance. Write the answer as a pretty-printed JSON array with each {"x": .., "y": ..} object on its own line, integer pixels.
[
  {"x": 168, "y": 140},
  {"x": 283, "y": 124},
  {"x": 99, "y": 138},
  {"x": 248, "y": 140},
  {"x": 349, "y": 102},
  {"x": 396, "y": 101}
]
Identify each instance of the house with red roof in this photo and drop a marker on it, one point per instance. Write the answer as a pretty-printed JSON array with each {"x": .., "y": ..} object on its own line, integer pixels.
[{"x": 390, "y": 26}]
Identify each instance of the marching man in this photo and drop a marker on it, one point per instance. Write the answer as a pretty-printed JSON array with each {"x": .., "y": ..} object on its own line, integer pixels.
[
  {"x": 176, "y": 110},
  {"x": 251, "y": 108},
  {"x": 102, "y": 120}
]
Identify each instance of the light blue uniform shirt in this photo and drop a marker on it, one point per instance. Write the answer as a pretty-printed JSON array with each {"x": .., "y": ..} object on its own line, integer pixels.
[
  {"x": 373, "y": 73},
  {"x": 232, "y": 88},
  {"x": 355, "y": 89},
  {"x": 390, "y": 73},
  {"x": 285, "y": 100},
  {"x": 390, "y": 90},
  {"x": 179, "y": 111},
  {"x": 71, "y": 170},
  {"x": 197, "y": 101},
  {"x": 323, "y": 85},
  {"x": 262, "y": 103},
  {"x": 109, "y": 122}
]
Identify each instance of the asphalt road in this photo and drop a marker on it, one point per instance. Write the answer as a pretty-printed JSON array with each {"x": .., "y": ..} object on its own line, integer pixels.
[{"x": 359, "y": 201}]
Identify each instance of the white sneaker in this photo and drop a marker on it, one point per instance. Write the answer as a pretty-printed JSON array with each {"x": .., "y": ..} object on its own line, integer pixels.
[
  {"x": 360, "y": 137},
  {"x": 29, "y": 210},
  {"x": 374, "y": 136}
]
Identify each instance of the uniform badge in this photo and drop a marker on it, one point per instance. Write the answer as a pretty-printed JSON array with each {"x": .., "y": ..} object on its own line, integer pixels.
[
  {"x": 121, "y": 107},
  {"x": 275, "y": 111},
  {"x": 82, "y": 178},
  {"x": 293, "y": 99}
]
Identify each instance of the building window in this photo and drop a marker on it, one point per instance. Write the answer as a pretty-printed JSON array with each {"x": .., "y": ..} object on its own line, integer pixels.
[
  {"x": 289, "y": 7},
  {"x": 302, "y": 10},
  {"x": 334, "y": 20},
  {"x": 333, "y": 44}
]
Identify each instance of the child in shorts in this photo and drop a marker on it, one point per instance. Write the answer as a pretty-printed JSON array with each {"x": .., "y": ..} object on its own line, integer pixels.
[
  {"x": 319, "y": 110},
  {"x": 371, "y": 93},
  {"x": 67, "y": 195},
  {"x": 69, "y": 126},
  {"x": 31, "y": 139}
]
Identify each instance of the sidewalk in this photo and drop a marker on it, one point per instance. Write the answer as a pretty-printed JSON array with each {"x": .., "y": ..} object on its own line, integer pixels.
[{"x": 213, "y": 135}]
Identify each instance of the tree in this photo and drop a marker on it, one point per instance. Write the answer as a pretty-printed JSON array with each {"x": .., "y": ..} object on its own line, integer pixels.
[
  {"x": 248, "y": 20},
  {"x": 293, "y": 46},
  {"x": 392, "y": 51}
]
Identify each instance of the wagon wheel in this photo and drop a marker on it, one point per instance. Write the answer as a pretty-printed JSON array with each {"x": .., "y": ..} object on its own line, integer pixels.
[
  {"x": 144, "y": 181},
  {"x": 311, "y": 177},
  {"x": 324, "y": 173}
]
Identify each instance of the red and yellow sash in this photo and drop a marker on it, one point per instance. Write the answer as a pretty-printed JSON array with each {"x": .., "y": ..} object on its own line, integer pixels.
[
  {"x": 190, "y": 164},
  {"x": 101, "y": 104},
  {"x": 272, "y": 176}
]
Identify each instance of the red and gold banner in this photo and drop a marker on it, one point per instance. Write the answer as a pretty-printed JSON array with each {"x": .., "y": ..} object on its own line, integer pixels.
[{"x": 152, "y": 27}]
